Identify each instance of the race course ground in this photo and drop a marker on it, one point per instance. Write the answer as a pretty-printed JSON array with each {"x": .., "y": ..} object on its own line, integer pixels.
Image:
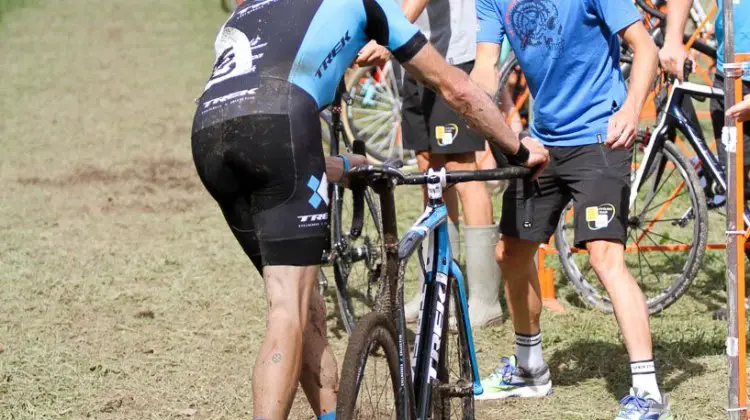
[{"x": 123, "y": 294}]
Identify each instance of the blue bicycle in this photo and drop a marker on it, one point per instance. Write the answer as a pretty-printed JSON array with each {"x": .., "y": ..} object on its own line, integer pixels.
[{"x": 444, "y": 366}]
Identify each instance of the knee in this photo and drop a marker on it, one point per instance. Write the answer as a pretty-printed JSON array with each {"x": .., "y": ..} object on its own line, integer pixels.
[
  {"x": 606, "y": 258},
  {"x": 512, "y": 252},
  {"x": 286, "y": 318}
]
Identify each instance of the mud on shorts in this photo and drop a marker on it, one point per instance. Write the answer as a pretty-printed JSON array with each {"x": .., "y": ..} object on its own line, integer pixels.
[
  {"x": 266, "y": 171},
  {"x": 594, "y": 176},
  {"x": 429, "y": 124}
]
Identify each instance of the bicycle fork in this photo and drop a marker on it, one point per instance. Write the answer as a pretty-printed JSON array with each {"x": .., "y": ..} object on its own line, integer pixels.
[{"x": 432, "y": 323}]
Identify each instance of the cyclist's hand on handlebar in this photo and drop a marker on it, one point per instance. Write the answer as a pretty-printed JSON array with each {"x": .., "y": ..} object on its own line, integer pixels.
[
  {"x": 538, "y": 155},
  {"x": 741, "y": 110},
  {"x": 622, "y": 128},
  {"x": 373, "y": 54},
  {"x": 672, "y": 59}
]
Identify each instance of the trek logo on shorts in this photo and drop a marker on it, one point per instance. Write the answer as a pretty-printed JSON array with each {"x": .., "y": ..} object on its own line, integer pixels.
[
  {"x": 312, "y": 220},
  {"x": 319, "y": 189},
  {"x": 599, "y": 217},
  {"x": 446, "y": 134}
]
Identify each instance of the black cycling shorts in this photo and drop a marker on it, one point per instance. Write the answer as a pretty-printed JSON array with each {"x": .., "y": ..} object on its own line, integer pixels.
[
  {"x": 266, "y": 170},
  {"x": 429, "y": 124},
  {"x": 594, "y": 176}
]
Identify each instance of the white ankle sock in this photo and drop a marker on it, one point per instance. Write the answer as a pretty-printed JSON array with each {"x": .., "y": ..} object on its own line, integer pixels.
[
  {"x": 644, "y": 378},
  {"x": 529, "y": 351}
]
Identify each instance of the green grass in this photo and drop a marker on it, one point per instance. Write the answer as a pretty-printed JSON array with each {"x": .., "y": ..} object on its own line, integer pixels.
[
  {"x": 123, "y": 293},
  {"x": 7, "y": 6}
]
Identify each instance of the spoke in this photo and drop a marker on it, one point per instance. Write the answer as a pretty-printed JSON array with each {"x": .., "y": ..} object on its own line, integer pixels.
[
  {"x": 667, "y": 256},
  {"x": 651, "y": 232},
  {"x": 377, "y": 123},
  {"x": 371, "y": 117},
  {"x": 670, "y": 199},
  {"x": 658, "y": 189},
  {"x": 377, "y": 133},
  {"x": 369, "y": 111}
]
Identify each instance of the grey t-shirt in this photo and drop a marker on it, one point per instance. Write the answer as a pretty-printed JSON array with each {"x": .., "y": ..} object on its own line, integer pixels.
[{"x": 451, "y": 26}]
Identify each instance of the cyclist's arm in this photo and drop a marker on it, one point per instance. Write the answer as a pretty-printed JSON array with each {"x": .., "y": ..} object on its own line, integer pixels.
[
  {"x": 413, "y": 8},
  {"x": 468, "y": 99}
]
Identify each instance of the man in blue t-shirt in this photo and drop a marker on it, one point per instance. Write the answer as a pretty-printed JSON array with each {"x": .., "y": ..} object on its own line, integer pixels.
[{"x": 587, "y": 117}]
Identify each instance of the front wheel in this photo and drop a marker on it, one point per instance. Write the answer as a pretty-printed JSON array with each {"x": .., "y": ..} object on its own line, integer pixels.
[
  {"x": 369, "y": 385},
  {"x": 667, "y": 235}
]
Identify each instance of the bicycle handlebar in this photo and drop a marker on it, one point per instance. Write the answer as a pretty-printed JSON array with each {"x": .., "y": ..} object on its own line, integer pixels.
[{"x": 417, "y": 178}]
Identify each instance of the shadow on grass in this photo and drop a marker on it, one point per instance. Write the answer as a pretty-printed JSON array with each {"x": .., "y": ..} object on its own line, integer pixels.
[{"x": 588, "y": 359}]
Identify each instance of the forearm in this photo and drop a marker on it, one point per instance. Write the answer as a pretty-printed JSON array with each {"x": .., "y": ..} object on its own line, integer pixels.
[
  {"x": 486, "y": 77},
  {"x": 677, "y": 13},
  {"x": 413, "y": 8},
  {"x": 645, "y": 61}
]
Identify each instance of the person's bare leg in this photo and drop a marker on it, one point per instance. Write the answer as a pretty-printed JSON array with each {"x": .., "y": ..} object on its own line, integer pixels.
[
  {"x": 475, "y": 197},
  {"x": 319, "y": 377},
  {"x": 516, "y": 259},
  {"x": 608, "y": 260},
  {"x": 277, "y": 368}
]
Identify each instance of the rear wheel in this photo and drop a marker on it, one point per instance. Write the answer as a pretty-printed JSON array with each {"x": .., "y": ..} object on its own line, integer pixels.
[
  {"x": 370, "y": 374},
  {"x": 453, "y": 396},
  {"x": 667, "y": 232}
]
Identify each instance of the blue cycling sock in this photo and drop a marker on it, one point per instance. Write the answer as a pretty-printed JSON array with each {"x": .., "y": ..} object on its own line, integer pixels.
[{"x": 331, "y": 415}]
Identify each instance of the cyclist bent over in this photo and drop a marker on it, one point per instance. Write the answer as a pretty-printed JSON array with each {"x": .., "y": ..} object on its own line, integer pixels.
[{"x": 257, "y": 149}]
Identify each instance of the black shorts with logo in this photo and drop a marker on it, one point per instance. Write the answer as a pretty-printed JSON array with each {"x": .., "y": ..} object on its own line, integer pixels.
[
  {"x": 266, "y": 170},
  {"x": 594, "y": 176},
  {"x": 429, "y": 124}
]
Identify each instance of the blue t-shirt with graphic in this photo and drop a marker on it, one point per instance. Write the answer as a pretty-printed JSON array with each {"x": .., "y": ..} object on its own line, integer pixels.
[
  {"x": 570, "y": 52},
  {"x": 741, "y": 31}
]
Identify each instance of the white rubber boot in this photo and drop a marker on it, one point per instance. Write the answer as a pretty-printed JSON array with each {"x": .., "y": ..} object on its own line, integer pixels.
[
  {"x": 482, "y": 275},
  {"x": 411, "y": 308}
]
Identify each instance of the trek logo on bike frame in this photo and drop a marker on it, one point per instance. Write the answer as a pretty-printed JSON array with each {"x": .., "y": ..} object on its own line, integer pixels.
[
  {"x": 331, "y": 55},
  {"x": 437, "y": 328}
]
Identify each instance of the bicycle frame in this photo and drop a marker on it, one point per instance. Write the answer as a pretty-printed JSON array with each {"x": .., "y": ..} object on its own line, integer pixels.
[
  {"x": 440, "y": 269},
  {"x": 674, "y": 117}
]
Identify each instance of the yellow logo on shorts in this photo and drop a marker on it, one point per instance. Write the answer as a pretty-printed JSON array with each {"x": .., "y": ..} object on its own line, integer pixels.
[
  {"x": 445, "y": 134},
  {"x": 599, "y": 217}
]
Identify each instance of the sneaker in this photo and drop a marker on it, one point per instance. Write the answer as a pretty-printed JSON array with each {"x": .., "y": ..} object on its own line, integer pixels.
[
  {"x": 511, "y": 380},
  {"x": 638, "y": 405}
]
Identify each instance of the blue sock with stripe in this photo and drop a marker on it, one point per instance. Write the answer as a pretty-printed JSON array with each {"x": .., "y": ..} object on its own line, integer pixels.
[{"x": 331, "y": 415}]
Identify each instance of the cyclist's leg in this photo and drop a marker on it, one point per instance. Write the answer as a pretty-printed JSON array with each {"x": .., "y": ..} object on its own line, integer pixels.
[
  {"x": 319, "y": 377},
  {"x": 267, "y": 196}
]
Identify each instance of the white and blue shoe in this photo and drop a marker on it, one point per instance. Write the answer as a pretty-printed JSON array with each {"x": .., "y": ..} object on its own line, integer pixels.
[
  {"x": 639, "y": 405},
  {"x": 510, "y": 380}
]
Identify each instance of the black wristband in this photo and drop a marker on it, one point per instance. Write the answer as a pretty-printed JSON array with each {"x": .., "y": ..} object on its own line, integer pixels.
[{"x": 521, "y": 156}]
